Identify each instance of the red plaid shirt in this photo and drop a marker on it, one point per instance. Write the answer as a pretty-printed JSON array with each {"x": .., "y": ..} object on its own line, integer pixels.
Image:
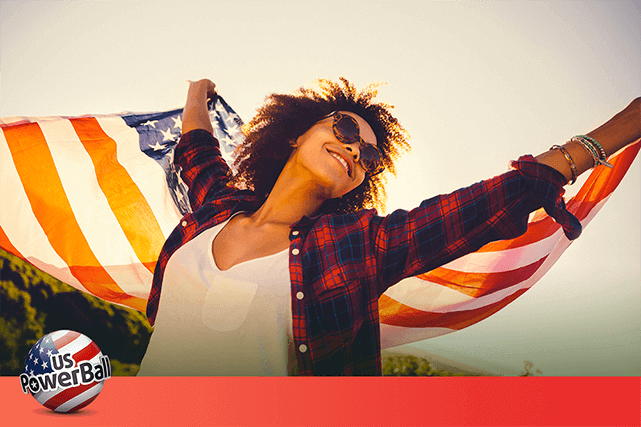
[{"x": 341, "y": 264}]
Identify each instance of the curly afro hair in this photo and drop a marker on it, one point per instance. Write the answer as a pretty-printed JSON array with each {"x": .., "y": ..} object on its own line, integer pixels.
[{"x": 284, "y": 117}]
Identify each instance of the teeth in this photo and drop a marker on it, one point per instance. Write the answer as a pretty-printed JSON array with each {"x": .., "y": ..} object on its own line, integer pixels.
[{"x": 342, "y": 160}]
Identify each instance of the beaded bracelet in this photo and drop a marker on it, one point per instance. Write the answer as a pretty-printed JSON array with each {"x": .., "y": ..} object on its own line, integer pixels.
[
  {"x": 602, "y": 154},
  {"x": 569, "y": 159},
  {"x": 592, "y": 151}
]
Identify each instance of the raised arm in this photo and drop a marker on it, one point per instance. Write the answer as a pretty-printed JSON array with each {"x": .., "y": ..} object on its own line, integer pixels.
[
  {"x": 197, "y": 154},
  {"x": 196, "y": 114},
  {"x": 621, "y": 130}
]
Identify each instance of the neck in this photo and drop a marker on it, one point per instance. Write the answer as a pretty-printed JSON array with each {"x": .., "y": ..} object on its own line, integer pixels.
[{"x": 292, "y": 197}]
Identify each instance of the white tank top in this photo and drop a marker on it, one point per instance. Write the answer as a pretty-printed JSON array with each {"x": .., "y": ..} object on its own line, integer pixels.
[{"x": 222, "y": 323}]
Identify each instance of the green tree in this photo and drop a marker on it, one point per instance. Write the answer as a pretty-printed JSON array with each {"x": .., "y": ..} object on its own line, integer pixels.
[
  {"x": 20, "y": 327},
  {"x": 33, "y": 304},
  {"x": 406, "y": 365}
]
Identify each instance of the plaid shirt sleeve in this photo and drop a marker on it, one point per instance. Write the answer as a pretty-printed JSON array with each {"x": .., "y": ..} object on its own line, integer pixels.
[
  {"x": 446, "y": 227},
  {"x": 202, "y": 167}
]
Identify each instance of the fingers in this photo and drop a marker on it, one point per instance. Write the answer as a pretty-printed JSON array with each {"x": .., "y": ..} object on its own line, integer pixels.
[{"x": 206, "y": 84}]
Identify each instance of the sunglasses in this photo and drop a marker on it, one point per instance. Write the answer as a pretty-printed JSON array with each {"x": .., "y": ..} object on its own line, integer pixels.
[{"x": 346, "y": 130}]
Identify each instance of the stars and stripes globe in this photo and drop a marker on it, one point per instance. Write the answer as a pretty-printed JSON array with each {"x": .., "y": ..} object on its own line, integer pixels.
[{"x": 60, "y": 353}]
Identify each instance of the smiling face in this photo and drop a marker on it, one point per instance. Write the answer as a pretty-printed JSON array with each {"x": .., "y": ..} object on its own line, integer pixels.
[{"x": 334, "y": 165}]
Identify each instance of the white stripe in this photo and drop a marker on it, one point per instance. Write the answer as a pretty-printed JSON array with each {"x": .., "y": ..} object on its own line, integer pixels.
[
  {"x": 505, "y": 260},
  {"x": 74, "y": 345},
  {"x": 424, "y": 295},
  {"x": 43, "y": 396},
  {"x": 91, "y": 208},
  {"x": 57, "y": 334},
  {"x": 391, "y": 336},
  {"x": 82, "y": 397},
  {"x": 21, "y": 226},
  {"x": 145, "y": 172}
]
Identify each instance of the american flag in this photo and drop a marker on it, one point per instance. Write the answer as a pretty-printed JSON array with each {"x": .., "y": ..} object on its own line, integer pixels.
[
  {"x": 40, "y": 361},
  {"x": 91, "y": 199}
]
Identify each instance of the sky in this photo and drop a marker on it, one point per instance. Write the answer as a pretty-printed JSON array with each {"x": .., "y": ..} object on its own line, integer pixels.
[{"x": 476, "y": 84}]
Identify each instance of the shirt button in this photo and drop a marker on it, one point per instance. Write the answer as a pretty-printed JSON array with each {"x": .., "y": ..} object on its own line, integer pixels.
[
  {"x": 295, "y": 251},
  {"x": 300, "y": 295},
  {"x": 295, "y": 233},
  {"x": 302, "y": 348},
  {"x": 184, "y": 223}
]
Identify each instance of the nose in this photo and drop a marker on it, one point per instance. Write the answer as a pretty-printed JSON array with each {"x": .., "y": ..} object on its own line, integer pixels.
[{"x": 353, "y": 150}]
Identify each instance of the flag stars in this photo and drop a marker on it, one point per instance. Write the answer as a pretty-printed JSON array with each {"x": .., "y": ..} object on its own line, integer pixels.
[
  {"x": 167, "y": 135},
  {"x": 44, "y": 365},
  {"x": 178, "y": 123},
  {"x": 157, "y": 146},
  {"x": 151, "y": 123}
]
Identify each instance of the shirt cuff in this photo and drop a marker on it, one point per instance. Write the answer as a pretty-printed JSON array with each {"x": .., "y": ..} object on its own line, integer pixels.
[{"x": 546, "y": 185}]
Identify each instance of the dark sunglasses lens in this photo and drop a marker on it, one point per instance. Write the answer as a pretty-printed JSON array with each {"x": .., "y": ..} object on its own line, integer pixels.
[
  {"x": 370, "y": 158},
  {"x": 347, "y": 128}
]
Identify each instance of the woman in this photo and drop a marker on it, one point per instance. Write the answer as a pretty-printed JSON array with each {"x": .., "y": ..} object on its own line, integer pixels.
[{"x": 283, "y": 276}]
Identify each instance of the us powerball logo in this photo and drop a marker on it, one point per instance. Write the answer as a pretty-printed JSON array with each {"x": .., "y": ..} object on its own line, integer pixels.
[{"x": 65, "y": 371}]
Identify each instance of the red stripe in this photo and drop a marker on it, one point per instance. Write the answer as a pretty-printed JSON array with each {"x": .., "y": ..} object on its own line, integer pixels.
[
  {"x": 87, "y": 353},
  {"x": 66, "y": 395},
  {"x": 479, "y": 284},
  {"x": 395, "y": 313},
  {"x": 66, "y": 339}
]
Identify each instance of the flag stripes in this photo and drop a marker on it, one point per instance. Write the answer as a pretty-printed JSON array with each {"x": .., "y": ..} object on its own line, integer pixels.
[
  {"x": 44, "y": 189},
  {"x": 126, "y": 201},
  {"x": 91, "y": 199},
  {"x": 477, "y": 284},
  {"x": 74, "y": 398}
]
